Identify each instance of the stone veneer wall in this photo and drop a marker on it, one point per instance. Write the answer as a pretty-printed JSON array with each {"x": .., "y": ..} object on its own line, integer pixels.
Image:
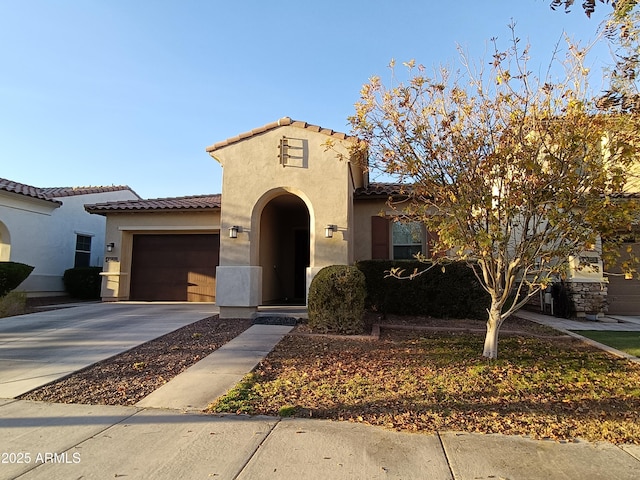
[{"x": 586, "y": 295}]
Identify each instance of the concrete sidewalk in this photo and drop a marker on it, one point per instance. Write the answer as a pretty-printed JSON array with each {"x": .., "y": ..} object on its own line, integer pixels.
[
  {"x": 615, "y": 323},
  {"x": 57, "y": 441},
  {"x": 569, "y": 326}
]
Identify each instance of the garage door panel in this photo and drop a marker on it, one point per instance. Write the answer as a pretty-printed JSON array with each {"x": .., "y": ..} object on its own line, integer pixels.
[
  {"x": 623, "y": 294},
  {"x": 201, "y": 287},
  {"x": 174, "y": 267},
  {"x": 155, "y": 284}
]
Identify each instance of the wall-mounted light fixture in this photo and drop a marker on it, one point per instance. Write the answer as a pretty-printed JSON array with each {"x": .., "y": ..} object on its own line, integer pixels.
[
  {"x": 329, "y": 229},
  {"x": 233, "y": 231},
  {"x": 110, "y": 247}
]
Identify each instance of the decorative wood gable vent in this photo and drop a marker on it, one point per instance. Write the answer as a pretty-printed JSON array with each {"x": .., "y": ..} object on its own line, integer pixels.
[{"x": 294, "y": 152}]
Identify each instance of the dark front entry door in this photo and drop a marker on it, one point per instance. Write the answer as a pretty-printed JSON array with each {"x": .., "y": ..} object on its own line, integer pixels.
[{"x": 301, "y": 262}]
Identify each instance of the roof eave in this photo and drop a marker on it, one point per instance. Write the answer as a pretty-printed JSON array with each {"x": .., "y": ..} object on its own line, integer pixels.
[
  {"x": 282, "y": 122},
  {"x": 107, "y": 211},
  {"x": 35, "y": 199}
]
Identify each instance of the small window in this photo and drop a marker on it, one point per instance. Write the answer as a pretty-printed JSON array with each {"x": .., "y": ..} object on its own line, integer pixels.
[
  {"x": 83, "y": 251},
  {"x": 407, "y": 240}
]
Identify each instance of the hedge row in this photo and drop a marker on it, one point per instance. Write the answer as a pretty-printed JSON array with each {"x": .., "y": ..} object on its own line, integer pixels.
[
  {"x": 452, "y": 293},
  {"x": 83, "y": 282}
]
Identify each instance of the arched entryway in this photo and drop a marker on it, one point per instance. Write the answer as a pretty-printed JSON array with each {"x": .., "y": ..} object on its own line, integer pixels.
[
  {"x": 284, "y": 250},
  {"x": 5, "y": 243}
]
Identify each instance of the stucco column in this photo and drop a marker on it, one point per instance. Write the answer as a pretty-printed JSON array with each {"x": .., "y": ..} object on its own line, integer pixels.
[{"x": 238, "y": 290}]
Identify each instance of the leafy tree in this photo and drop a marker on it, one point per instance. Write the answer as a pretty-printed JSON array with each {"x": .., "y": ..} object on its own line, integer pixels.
[
  {"x": 515, "y": 174},
  {"x": 623, "y": 35},
  {"x": 622, "y": 32},
  {"x": 589, "y": 6}
]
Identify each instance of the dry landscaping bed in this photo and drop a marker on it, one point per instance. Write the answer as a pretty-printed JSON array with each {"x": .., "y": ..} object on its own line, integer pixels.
[
  {"x": 127, "y": 378},
  {"x": 545, "y": 385},
  {"x": 431, "y": 378}
]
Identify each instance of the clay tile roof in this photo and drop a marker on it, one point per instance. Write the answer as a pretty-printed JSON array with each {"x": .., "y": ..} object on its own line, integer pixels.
[
  {"x": 626, "y": 195},
  {"x": 285, "y": 121},
  {"x": 376, "y": 190},
  {"x": 53, "y": 192},
  {"x": 27, "y": 190},
  {"x": 194, "y": 202}
]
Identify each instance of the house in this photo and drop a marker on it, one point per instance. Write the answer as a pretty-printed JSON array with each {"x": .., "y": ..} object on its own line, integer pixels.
[
  {"x": 291, "y": 207},
  {"x": 49, "y": 229},
  {"x": 294, "y": 200}
]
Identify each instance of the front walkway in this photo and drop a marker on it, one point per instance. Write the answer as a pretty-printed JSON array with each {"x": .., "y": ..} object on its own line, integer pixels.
[
  {"x": 218, "y": 372},
  {"x": 614, "y": 323},
  {"x": 623, "y": 324}
]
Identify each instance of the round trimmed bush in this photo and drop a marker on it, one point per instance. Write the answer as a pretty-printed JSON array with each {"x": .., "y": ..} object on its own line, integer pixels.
[
  {"x": 12, "y": 274},
  {"x": 336, "y": 300}
]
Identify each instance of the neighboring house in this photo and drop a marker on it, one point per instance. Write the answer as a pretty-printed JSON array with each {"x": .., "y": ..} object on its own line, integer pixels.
[
  {"x": 290, "y": 205},
  {"x": 49, "y": 229}
]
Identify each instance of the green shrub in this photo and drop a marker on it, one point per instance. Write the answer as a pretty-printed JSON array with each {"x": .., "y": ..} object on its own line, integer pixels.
[
  {"x": 336, "y": 300},
  {"x": 83, "y": 282},
  {"x": 454, "y": 293},
  {"x": 563, "y": 304},
  {"x": 12, "y": 274},
  {"x": 13, "y": 303},
  {"x": 287, "y": 411}
]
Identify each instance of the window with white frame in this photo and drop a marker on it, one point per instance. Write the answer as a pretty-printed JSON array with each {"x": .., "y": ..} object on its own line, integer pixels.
[
  {"x": 407, "y": 240},
  {"x": 83, "y": 251}
]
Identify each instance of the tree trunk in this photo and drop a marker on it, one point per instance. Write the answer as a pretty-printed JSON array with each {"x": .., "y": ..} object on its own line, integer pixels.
[{"x": 493, "y": 327}]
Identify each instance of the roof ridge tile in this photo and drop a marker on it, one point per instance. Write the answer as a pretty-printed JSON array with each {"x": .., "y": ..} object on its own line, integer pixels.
[
  {"x": 284, "y": 121},
  {"x": 84, "y": 190}
]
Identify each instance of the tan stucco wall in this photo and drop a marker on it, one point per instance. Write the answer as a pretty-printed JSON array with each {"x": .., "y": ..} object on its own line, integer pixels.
[
  {"x": 121, "y": 227},
  {"x": 363, "y": 211},
  {"x": 633, "y": 179},
  {"x": 253, "y": 175}
]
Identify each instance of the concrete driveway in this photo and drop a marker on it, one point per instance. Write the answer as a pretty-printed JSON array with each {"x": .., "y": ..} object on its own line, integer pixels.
[{"x": 39, "y": 348}]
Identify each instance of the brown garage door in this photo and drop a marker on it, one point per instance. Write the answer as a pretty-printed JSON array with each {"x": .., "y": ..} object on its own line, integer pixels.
[
  {"x": 624, "y": 294},
  {"x": 174, "y": 267}
]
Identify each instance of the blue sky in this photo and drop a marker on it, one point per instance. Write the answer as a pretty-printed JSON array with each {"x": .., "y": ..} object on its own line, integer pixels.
[{"x": 102, "y": 92}]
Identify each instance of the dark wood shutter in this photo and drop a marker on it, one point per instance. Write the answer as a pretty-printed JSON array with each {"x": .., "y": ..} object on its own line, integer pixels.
[
  {"x": 432, "y": 240},
  {"x": 379, "y": 238}
]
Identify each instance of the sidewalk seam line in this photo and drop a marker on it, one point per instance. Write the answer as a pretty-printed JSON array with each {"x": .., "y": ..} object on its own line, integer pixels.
[
  {"x": 244, "y": 465},
  {"x": 444, "y": 451},
  {"x": 35, "y": 466},
  {"x": 628, "y": 453}
]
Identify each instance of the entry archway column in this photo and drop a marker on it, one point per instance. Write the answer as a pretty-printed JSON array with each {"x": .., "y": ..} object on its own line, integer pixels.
[{"x": 238, "y": 290}]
